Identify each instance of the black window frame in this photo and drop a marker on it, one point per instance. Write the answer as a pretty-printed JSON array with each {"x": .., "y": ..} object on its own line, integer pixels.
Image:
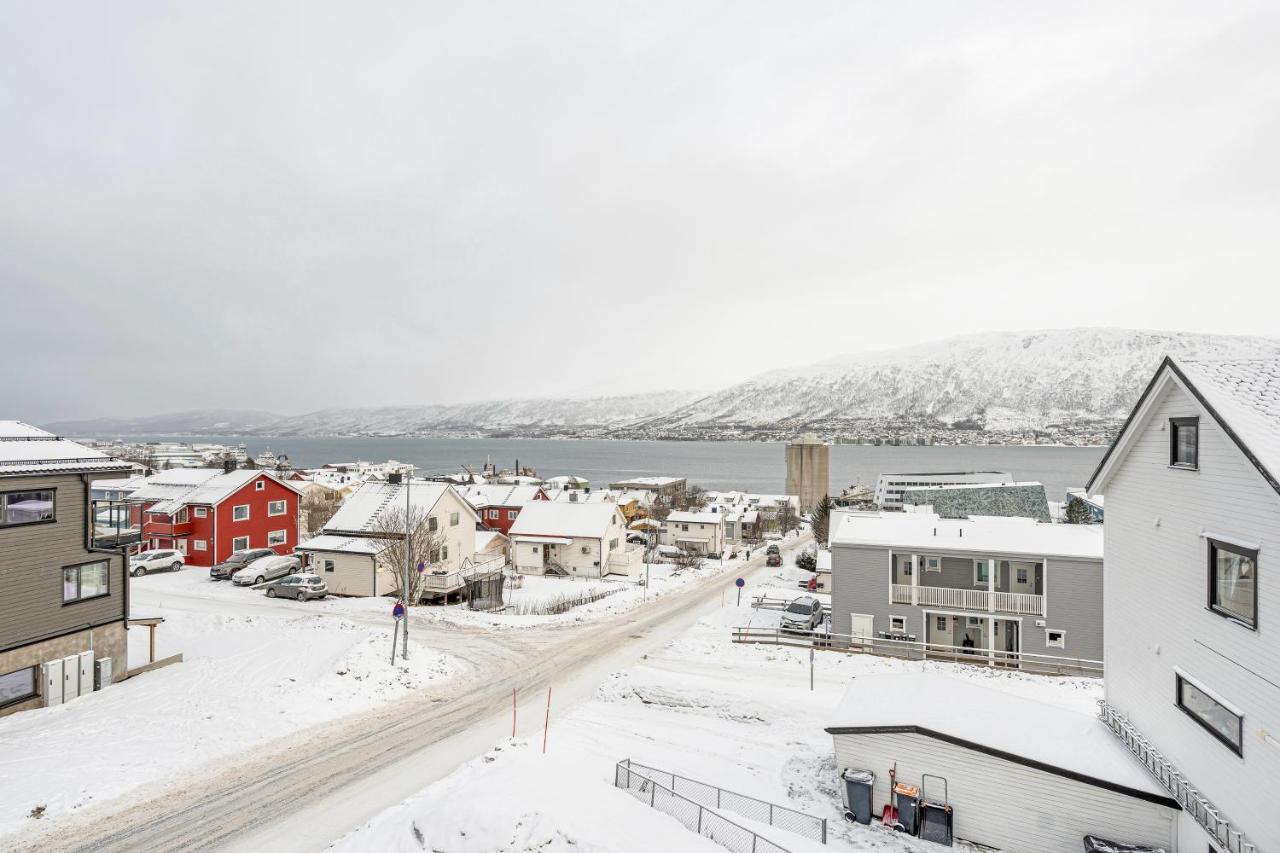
[
  {"x": 1212, "y": 576},
  {"x": 79, "y": 599},
  {"x": 4, "y": 513},
  {"x": 1237, "y": 748},
  {"x": 1174, "y": 425},
  {"x": 35, "y": 686}
]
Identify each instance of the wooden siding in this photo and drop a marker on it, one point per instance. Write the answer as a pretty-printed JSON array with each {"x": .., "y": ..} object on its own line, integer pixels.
[
  {"x": 1157, "y": 617},
  {"x": 31, "y": 561},
  {"x": 1010, "y": 806}
]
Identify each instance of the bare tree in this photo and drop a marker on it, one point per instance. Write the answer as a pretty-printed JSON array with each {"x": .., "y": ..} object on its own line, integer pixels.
[
  {"x": 659, "y": 509},
  {"x": 787, "y": 518},
  {"x": 318, "y": 506},
  {"x": 692, "y": 498},
  {"x": 686, "y": 560},
  {"x": 425, "y": 545}
]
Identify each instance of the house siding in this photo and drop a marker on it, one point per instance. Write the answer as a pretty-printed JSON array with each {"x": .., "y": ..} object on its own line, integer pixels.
[{"x": 1157, "y": 620}]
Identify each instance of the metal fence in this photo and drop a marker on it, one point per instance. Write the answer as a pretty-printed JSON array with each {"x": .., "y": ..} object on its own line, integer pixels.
[
  {"x": 918, "y": 650},
  {"x": 695, "y": 817},
  {"x": 749, "y": 807}
]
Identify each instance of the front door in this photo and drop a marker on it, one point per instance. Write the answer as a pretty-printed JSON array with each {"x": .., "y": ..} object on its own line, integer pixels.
[
  {"x": 904, "y": 570},
  {"x": 1022, "y": 577},
  {"x": 861, "y": 629}
]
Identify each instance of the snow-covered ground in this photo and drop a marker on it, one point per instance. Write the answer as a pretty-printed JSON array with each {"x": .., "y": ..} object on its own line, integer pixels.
[
  {"x": 738, "y": 716},
  {"x": 254, "y": 669}
]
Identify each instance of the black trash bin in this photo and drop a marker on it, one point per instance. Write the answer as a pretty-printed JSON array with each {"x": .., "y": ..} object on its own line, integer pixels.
[
  {"x": 857, "y": 794},
  {"x": 1094, "y": 844},
  {"x": 906, "y": 800}
]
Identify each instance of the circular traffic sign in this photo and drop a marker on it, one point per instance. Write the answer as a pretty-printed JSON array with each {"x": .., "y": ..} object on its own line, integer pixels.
[
  {"x": 398, "y": 610},
  {"x": 421, "y": 566},
  {"x": 739, "y": 583}
]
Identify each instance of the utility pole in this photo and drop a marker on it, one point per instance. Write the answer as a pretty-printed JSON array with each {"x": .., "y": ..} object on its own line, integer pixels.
[{"x": 404, "y": 588}]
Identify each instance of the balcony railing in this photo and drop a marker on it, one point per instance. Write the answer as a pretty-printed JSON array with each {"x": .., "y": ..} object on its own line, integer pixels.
[
  {"x": 167, "y": 528},
  {"x": 1021, "y": 603},
  {"x": 1196, "y": 804}
]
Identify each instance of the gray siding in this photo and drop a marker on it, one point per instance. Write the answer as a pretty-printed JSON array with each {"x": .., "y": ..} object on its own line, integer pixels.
[
  {"x": 31, "y": 561},
  {"x": 1157, "y": 617}
]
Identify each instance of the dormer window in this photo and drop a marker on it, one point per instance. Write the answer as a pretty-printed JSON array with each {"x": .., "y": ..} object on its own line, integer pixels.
[{"x": 1184, "y": 443}]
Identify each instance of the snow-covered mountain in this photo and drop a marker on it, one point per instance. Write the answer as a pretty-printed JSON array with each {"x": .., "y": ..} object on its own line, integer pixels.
[{"x": 1002, "y": 379}]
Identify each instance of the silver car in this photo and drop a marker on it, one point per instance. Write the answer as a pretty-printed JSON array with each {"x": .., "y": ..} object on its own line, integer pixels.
[
  {"x": 266, "y": 569},
  {"x": 802, "y": 614},
  {"x": 301, "y": 587}
]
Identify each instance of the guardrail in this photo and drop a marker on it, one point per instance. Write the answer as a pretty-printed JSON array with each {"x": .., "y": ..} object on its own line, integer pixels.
[
  {"x": 919, "y": 650},
  {"x": 711, "y": 796},
  {"x": 695, "y": 817},
  {"x": 1022, "y": 603}
]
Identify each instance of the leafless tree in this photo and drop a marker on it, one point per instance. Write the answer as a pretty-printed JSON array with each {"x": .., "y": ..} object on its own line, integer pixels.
[
  {"x": 318, "y": 506},
  {"x": 686, "y": 560},
  {"x": 424, "y": 545},
  {"x": 659, "y": 509},
  {"x": 787, "y": 518},
  {"x": 693, "y": 497}
]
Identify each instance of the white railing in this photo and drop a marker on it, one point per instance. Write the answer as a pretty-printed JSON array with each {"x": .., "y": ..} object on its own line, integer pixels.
[
  {"x": 433, "y": 581},
  {"x": 1196, "y": 804},
  {"x": 1021, "y": 603}
]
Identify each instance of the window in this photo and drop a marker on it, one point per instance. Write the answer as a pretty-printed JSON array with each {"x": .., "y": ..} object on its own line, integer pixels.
[
  {"x": 181, "y": 516},
  {"x": 906, "y": 567},
  {"x": 586, "y": 550},
  {"x": 26, "y": 507},
  {"x": 898, "y": 624},
  {"x": 328, "y": 565},
  {"x": 240, "y": 513},
  {"x": 1184, "y": 442},
  {"x": 974, "y": 622},
  {"x": 1233, "y": 582},
  {"x": 981, "y": 573},
  {"x": 17, "y": 686},
  {"x": 240, "y": 543},
  {"x": 277, "y": 537},
  {"x": 201, "y": 512},
  {"x": 512, "y": 513},
  {"x": 261, "y": 485},
  {"x": 491, "y": 514},
  {"x": 933, "y": 564},
  {"x": 1217, "y": 719},
  {"x": 200, "y": 545},
  {"x": 433, "y": 524},
  {"x": 444, "y": 552},
  {"x": 684, "y": 527},
  {"x": 1055, "y": 639},
  {"x": 1022, "y": 575},
  {"x": 276, "y": 508},
  {"x": 88, "y": 580},
  {"x": 453, "y": 519},
  {"x": 533, "y": 548},
  {"x": 941, "y": 623}
]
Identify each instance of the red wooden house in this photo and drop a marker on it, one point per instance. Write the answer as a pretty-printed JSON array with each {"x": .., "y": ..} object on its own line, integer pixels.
[
  {"x": 206, "y": 513},
  {"x": 499, "y": 505}
]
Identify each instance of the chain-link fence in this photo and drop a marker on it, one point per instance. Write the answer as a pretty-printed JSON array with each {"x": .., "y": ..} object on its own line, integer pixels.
[
  {"x": 695, "y": 817},
  {"x": 749, "y": 807}
]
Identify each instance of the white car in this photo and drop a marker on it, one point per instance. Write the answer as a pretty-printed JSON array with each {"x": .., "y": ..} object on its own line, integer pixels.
[
  {"x": 266, "y": 569},
  {"x": 802, "y": 614},
  {"x": 154, "y": 561}
]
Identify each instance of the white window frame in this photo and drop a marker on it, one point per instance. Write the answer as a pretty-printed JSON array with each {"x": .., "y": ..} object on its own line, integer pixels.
[
  {"x": 238, "y": 547},
  {"x": 1050, "y": 643},
  {"x": 284, "y": 507},
  {"x": 512, "y": 513},
  {"x": 898, "y": 624},
  {"x": 992, "y": 566},
  {"x": 200, "y": 511},
  {"x": 932, "y": 568},
  {"x": 181, "y": 516},
  {"x": 260, "y": 486},
  {"x": 199, "y": 545},
  {"x": 272, "y": 538},
  {"x": 328, "y": 565},
  {"x": 235, "y": 511}
]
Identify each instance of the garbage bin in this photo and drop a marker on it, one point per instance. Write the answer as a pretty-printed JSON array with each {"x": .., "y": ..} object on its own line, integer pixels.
[
  {"x": 857, "y": 794},
  {"x": 906, "y": 799},
  {"x": 1094, "y": 844}
]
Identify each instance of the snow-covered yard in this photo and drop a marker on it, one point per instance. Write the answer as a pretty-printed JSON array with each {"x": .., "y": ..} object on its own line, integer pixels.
[{"x": 738, "y": 716}]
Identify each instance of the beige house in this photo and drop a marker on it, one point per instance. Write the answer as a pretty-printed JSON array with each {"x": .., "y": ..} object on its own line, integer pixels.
[
  {"x": 574, "y": 540},
  {"x": 347, "y": 553},
  {"x": 699, "y": 532}
]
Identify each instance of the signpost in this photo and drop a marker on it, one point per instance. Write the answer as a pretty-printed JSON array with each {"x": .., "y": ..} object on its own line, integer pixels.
[
  {"x": 398, "y": 612},
  {"x": 740, "y": 583}
]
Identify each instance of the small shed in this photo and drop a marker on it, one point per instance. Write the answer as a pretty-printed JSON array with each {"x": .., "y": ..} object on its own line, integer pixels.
[{"x": 1023, "y": 774}]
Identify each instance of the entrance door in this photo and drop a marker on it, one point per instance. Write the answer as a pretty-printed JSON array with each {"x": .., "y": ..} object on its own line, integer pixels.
[
  {"x": 861, "y": 629},
  {"x": 1022, "y": 577}
]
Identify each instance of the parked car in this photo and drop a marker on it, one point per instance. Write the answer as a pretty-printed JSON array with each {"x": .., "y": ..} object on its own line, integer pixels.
[
  {"x": 666, "y": 554},
  {"x": 302, "y": 586},
  {"x": 153, "y": 561},
  {"x": 266, "y": 569},
  {"x": 802, "y": 614},
  {"x": 773, "y": 549},
  {"x": 773, "y": 559},
  {"x": 237, "y": 561}
]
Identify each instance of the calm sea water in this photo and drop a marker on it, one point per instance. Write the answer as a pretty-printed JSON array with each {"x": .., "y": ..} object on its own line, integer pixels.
[{"x": 750, "y": 466}]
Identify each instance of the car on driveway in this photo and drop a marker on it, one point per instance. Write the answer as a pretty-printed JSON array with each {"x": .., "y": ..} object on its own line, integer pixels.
[
  {"x": 302, "y": 587},
  {"x": 155, "y": 561},
  {"x": 802, "y": 614},
  {"x": 266, "y": 569},
  {"x": 237, "y": 561},
  {"x": 773, "y": 559}
]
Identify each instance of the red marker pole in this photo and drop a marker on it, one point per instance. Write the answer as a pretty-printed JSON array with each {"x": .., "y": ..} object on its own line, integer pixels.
[{"x": 546, "y": 722}]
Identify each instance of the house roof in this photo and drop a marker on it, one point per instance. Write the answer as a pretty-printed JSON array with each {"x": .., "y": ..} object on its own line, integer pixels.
[
  {"x": 695, "y": 517},
  {"x": 1055, "y": 738},
  {"x": 333, "y": 543},
  {"x": 361, "y": 511},
  {"x": 925, "y": 532},
  {"x": 584, "y": 496},
  {"x": 25, "y": 449},
  {"x": 654, "y": 482},
  {"x": 179, "y": 487},
  {"x": 552, "y": 518},
  {"x": 499, "y": 494},
  {"x": 1241, "y": 394}
]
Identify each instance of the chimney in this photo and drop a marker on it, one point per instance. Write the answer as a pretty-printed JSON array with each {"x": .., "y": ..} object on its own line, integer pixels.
[
  {"x": 961, "y": 532},
  {"x": 228, "y": 466},
  {"x": 394, "y": 478}
]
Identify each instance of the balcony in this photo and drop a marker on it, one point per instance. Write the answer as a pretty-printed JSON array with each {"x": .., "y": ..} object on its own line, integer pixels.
[
  {"x": 1020, "y": 603},
  {"x": 157, "y": 527}
]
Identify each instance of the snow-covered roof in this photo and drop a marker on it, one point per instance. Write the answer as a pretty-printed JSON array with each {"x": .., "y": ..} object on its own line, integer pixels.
[
  {"x": 178, "y": 487},
  {"x": 926, "y": 532},
  {"x": 583, "y": 496},
  {"x": 341, "y": 544},
  {"x": 694, "y": 518},
  {"x": 499, "y": 494},
  {"x": 552, "y": 518},
  {"x": 566, "y": 480},
  {"x": 950, "y": 487},
  {"x": 486, "y": 539},
  {"x": 989, "y": 718},
  {"x": 25, "y": 449},
  {"x": 651, "y": 482},
  {"x": 362, "y": 509}
]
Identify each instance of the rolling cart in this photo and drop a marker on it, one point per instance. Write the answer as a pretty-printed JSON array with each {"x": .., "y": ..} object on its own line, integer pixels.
[{"x": 935, "y": 814}]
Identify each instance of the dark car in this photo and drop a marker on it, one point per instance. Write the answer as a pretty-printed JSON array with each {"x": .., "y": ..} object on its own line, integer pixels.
[
  {"x": 237, "y": 561},
  {"x": 773, "y": 549}
]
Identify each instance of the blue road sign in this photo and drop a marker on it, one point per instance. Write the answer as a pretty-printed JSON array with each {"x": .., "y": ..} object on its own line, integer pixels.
[
  {"x": 398, "y": 611},
  {"x": 739, "y": 583}
]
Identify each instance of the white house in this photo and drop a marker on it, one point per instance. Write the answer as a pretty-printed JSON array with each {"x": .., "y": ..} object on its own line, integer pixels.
[
  {"x": 347, "y": 551},
  {"x": 698, "y": 532},
  {"x": 574, "y": 539},
  {"x": 1192, "y": 595}
]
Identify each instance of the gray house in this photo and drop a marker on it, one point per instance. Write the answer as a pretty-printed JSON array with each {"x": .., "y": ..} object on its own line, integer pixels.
[
  {"x": 66, "y": 595},
  {"x": 1003, "y": 586},
  {"x": 1192, "y": 490}
]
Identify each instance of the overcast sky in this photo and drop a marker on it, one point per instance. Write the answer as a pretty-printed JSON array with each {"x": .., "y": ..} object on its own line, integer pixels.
[{"x": 289, "y": 206}]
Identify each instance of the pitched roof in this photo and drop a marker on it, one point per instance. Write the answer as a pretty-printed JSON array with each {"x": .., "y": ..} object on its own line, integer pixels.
[
  {"x": 1241, "y": 394},
  {"x": 341, "y": 544},
  {"x": 695, "y": 517},
  {"x": 179, "y": 487},
  {"x": 481, "y": 495},
  {"x": 927, "y": 533},
  {"x": 361, "y": 511},
  {"x": 25, "y": 449},
  {"x": 551, "y": 518}
]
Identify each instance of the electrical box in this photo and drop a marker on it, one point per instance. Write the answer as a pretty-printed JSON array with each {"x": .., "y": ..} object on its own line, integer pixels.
[
  {"x": 101, "y": 673},
  {"x": 70, "y": 677},
  {"x": 51, "y": 682},
  {"x": 86, "y": 673}
]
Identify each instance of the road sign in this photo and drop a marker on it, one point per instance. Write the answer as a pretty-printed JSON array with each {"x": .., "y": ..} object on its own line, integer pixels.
[
  {"x": 398, "y": 611},
  {"x": 739, "y": 583},
  {"x": 421, "y": 566}
]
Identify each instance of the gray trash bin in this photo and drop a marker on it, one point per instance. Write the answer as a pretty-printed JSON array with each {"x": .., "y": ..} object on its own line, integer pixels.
[{"x": 857, "y": 794}]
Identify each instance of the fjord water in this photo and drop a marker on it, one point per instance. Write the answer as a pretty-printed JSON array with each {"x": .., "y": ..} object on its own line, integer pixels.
[{"x": 746, "y": 465}]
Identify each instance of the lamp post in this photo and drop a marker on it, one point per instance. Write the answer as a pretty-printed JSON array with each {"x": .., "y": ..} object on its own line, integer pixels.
[{"x": 404, "y": 587}]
